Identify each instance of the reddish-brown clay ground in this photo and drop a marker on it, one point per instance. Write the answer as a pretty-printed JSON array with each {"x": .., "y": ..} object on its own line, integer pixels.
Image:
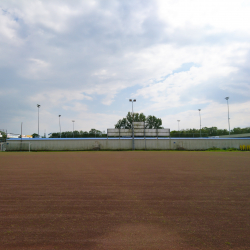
[{"x": 125, "y": 200}]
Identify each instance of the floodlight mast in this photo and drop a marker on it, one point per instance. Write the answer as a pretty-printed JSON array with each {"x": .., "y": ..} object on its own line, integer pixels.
[
  {"x": 228, "y": 114},
  {"x": 38, "y": 106},
  {"x": 73, "y": 127},
  {"x": 21, "y": 131},
  {"x": 200, "y": 120},
  {"x": 133, "y": 146},
  {"x": 59, "y": 124},
  {"x": 178, "y": 127}
]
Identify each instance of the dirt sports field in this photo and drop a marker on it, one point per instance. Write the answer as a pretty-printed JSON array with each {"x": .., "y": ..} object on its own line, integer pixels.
[{"x": 125, "y": 200}]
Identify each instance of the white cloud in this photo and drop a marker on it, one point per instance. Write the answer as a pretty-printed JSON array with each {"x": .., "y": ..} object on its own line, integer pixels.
[
  {"x": 35, "y": 69},
  {"x": 8, "y": 28},
  {"x": 213, "y": 115},
  {"x": 76, "y": 107},
  {"x": 84, "y": 120},
  {"x": 214, "y": 63},
  {"x": 57, "y": 98},
  {"x": 52, "y": 15},
  {"x": 87, "y": 57},
  {"x": 216, "y": 16}
]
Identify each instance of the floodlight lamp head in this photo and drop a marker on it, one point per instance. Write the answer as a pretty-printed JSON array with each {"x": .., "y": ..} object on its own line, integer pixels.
[
  {"x": 59, "y": 115},
  {"x": 134, "y": 100},
  {"x": 73, "y": 120},
  {"x": 227, "y": 98},
  {"x": 38, "y": 105},
  {"x": 130, "y": 100},
  {"x": 199, "y": 109},
  {"x": 178, "y": 120}
]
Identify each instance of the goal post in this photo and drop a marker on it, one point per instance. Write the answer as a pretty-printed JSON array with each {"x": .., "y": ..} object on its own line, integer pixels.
[
  {"x": 23, "y": 146},
  {"x": 3, "y": 146}
]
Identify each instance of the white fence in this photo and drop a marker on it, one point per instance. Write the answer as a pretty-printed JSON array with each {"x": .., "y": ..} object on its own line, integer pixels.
[{"x": 123, "y": 144}]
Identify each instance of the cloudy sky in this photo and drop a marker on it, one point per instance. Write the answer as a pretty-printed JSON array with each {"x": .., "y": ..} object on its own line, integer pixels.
[{"x": 84, "y": 59}]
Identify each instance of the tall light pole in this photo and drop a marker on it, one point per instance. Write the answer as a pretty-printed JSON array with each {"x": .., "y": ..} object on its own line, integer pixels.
[
  {"x": 178, "y": 124},
  {"x": 228, "y": 114},
  {"x": 131, "y": 100},
  {"x": 21, "y": 131},
  {"x": 73, "y": 127},
  {"x": 200, "y": 120},
  {"x": 38, "y": 106},
  {"x": 60, "y": 125}
]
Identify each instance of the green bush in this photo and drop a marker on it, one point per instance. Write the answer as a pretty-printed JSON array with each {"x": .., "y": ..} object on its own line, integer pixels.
[{"x": 214, "y": 149}]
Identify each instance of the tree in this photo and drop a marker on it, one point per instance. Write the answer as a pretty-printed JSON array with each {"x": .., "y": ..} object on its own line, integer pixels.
[
  {"x": 128, "y": 120},
  {"x": 55, "y": 135},
  {"x": 83, "y": 134},
  {"x": 240, "y": 130},
  {"x": 35, "y": 135},
  {"x": 153, "y": 122},
  {"x": 4, "y": 136},
  {"x": 95, "y": 132},
  {"x": 122, "y": 123},
  {"x": 150, "y": 121},
  {"x": 205, "y": 132},
  {"x": 78, "y": 134}
]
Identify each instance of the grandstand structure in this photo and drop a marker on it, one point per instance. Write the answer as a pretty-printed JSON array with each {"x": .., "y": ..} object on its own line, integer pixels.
[{"x": 138, "y": 130}]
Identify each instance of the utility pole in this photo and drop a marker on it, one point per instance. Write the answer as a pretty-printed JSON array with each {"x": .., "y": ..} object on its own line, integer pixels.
[
  {"x": 73, "y": 127},
  {"x": 60, "y": 125},
  {"x": 178, "y": 126},
  {"x": 21, "y": 132},
  {"x": 200, "y": 120},
  {"x": 38, "y": 106},
  {"x": 228, "y": 114},
  {"x": 133, "y": 146}
]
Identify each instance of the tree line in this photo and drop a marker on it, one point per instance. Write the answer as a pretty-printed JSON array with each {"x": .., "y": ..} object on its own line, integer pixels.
[
  {"x": 151, "y": 122},
  {"x": 78, "y": 134},
  {"x": 206, "y": 132}
]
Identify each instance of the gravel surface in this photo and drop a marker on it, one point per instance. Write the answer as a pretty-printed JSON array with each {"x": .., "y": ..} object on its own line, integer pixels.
[{"x": 125, "y": 200}]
